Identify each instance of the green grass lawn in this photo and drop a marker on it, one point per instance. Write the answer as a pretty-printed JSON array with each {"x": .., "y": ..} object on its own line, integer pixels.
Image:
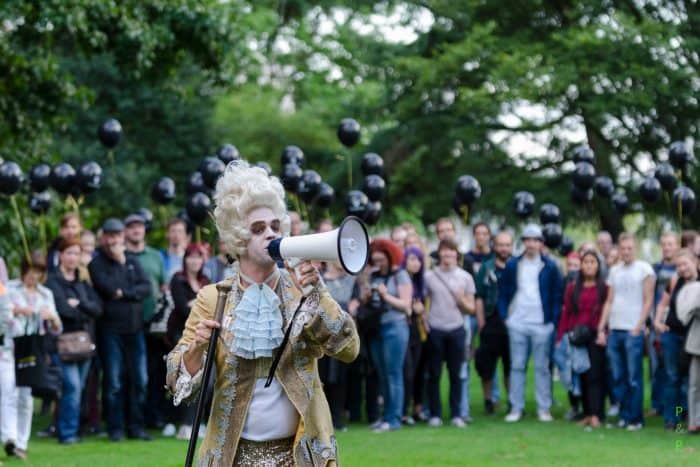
[{"x": 488, "y": 441}]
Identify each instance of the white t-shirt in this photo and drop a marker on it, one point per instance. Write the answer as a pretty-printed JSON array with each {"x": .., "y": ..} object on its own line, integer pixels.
[
  {"x": 444, "y": 314},
  {"x": 527, "y": 302},
  {"x": 627, "y": 282},
  {"x": 271, "y": 414}
]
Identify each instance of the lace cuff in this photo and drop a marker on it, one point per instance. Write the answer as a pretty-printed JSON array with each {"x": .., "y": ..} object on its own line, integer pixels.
[{"x": 186, "y": 384}]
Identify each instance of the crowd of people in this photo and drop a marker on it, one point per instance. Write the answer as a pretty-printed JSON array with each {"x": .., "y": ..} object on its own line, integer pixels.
[{"x": 587, "y": 321}]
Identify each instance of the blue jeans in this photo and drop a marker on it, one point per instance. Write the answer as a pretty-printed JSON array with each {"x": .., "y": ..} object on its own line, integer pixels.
[
  {"x": 124, "y": 355},
  {"x": 657, "y": 374},
  {"x": 625, "y": 353},
  {"x": 388, "y": 351},
  {"x": 470, "y": 328},
  {"x": 676, "y": 387},
  {"x": 525, "y": 339},
  {"x": 74, "y": 377}
]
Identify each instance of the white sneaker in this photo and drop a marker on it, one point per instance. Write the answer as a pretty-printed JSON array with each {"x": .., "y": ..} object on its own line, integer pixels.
[
  {"x": 634, "y": 427},
  {"x": 545, "y": 416},
  {"x": 613, "y": 410},
  {"x": 621, "y": 423},
  {"x": 458, "y": 422},
  {"x": 169, "y": 430},
  {"x": 435, "y": 422},
  {"x": 382, "y": 428},
  {"x": 514, "y": 417},
  {"x": 376, "y": 424},
  {"x": 184, "y": 432}
]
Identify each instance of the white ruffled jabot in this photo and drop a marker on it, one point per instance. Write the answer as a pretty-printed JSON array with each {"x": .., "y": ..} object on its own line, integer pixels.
[{"x": 257, "y": 323}]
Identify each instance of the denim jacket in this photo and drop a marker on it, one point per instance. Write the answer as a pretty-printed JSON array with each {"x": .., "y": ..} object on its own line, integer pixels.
[
  {"x": 551, "y": 288},
  {"x": 572, "y": 361}
]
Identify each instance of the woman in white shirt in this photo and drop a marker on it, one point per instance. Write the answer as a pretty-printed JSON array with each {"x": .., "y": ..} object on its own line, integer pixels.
[{"x": 32, "y": 304}]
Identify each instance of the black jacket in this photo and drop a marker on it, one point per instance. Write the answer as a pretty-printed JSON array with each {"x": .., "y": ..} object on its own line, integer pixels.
[
  {"x": 84, "y": 315},
  {"x": 125, "y": 314}
]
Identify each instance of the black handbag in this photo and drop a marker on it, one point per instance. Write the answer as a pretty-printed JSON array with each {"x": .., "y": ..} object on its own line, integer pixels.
[
  {"x": 581, "y": 335},
  {"x": 368, "y": 320},
  {"x": 33, "y": 366}
]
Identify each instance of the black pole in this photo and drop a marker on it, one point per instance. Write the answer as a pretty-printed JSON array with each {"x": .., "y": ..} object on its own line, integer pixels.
[{"x": 223, "y": 288}]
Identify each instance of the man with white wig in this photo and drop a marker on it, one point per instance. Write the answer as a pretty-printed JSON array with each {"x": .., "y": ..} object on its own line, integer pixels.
[{"x": 289, "y": 422}]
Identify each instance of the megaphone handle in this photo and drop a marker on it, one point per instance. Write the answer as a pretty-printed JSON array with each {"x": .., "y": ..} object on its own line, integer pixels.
[{"x": 294, "y": 263}]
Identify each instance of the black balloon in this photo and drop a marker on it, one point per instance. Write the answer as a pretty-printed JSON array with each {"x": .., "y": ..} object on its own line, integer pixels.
[
  {"x": 604, "y": 186},
  {"x": 524, "y": 204},
  {"x": 326, "y": 196},
  {"x": 349, "y": 132},
  {"x": 39, "y": 177},
  {"x": 291, "y": 177},
  {"x": 40, "y": 203},
  {"x": 197, "y": 208},
  {"x": 228, "y": 153},
  {"x": 110, "y": 132},
  {"x": 292, "y": 155},
  {"x": 678, "y": 155},
  {"x": 163, "y": 191},
  {"x": 372, "y": 163},
  {"x": 584, "y": 153},
  {"x": 356, "y": 203},
  {"x": 182, "y": 214},
  {"x": 665, "y": 174},
  {"x": 265, "y": 166},
  {"x": 309, "y": 186},
  {"x": 566, "y": 246},
  {"x": 552, "y": 234},
  {"x": 468, "y": 189},
  {"x": 683, "y": 201},
  {"x": 63, "y": 178},
  {"x": 147, "y": 216},
  {"x": 650, "y": 190},
  {"x": 90, "y": 177},
  {"x": 11, "y": 178},
  {"x": 374, "y": 187},
  {"x": 621, "y": 203},
  {"x": 372, "y": 213},
  {"x": 581, "y": 196},
  {"x": 212, "y": 168},
  {"x": 584, "y": 175},
  {"x": 195, "y": 184},
  {"x": 550, "y": 214}
]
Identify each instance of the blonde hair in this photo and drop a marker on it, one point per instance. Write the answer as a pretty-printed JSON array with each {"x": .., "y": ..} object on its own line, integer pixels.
[{"x": 241, "y": 189}]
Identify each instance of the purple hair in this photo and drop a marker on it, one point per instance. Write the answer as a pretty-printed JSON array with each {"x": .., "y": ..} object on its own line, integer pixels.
[{"x": 417, "y": 279}]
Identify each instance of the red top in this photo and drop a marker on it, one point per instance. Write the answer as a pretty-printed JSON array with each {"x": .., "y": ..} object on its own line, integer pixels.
[{"x": 589, "y": 309}]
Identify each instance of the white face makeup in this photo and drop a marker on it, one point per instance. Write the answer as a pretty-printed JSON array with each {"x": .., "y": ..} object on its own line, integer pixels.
[{"x": 264, "y": 227}]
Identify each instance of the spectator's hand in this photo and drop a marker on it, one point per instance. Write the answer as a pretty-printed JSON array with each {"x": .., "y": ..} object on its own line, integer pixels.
[
  {"x": 365, "y": 294},
  {"x": 190, "y": 304},
  {"x": 117, "y": 252},
  {"x": 660, "y": 327},
  {"x": 480, "y": 321},
  {"x": 601, "y": 339},
  {"x": 418, "y": 307},
  {"x": 23, "y": 310},
  {"x": 635, "y": 332},
  {"x": 45, "y": 313},
  {"x": 73, "y": 302},
  {"x": 118, "y": 294},
  {"x": 353, "y": 306}
]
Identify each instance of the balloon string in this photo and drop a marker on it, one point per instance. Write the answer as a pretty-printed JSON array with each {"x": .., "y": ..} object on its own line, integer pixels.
[
  {"x": 680, "y": 213},
  {"x": 348, "y": 157},
  {"x": 42, "y": 231},
  {"x": 465, "y": 210},
  {"x": 297, "y": 205},
  {"x": 21, "y": 229},
  {"x": 198, "y": 234},
  {"x": 110, "y": 154}
]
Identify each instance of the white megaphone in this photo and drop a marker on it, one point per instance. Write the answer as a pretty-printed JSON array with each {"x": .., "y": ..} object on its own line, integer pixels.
[{"x": 348, "y": 245}]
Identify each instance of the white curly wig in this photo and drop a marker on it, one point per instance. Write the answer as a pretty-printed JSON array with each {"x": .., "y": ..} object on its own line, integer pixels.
[{"x": 239, "y": 190}]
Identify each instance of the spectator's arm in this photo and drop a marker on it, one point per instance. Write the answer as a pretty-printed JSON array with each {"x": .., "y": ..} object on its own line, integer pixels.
[
  {"x": 505, "y": 287},
  {"x": 649, "y": 283},
  {"x": 605, "y": 315},
  {"x": 557, "y": 296},
  {"x": 104, "y": 283},
  {"x": 61, "y": 302},
  {"x": 90, "y": 303},
  {"x": 140, "y": 287}
]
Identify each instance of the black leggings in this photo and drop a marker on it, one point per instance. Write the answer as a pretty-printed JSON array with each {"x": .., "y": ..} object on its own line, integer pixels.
[{"x": 593, "y": 382}]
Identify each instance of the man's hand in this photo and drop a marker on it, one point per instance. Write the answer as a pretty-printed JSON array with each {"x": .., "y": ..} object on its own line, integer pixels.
[
  {"x": 73, "y": 302},
  {"x": 23, "y": 310},
  {"x": 304, "y": 274},
  {"x": 117, "y": 252},
  {"x": 418, "y": 307},
  {"x": 637, "y": 329},
  {"x": 601, "y": 339}
]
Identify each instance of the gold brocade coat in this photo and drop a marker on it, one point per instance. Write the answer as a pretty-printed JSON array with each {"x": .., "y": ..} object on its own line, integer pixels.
[{"x": 321, "y": 328}]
